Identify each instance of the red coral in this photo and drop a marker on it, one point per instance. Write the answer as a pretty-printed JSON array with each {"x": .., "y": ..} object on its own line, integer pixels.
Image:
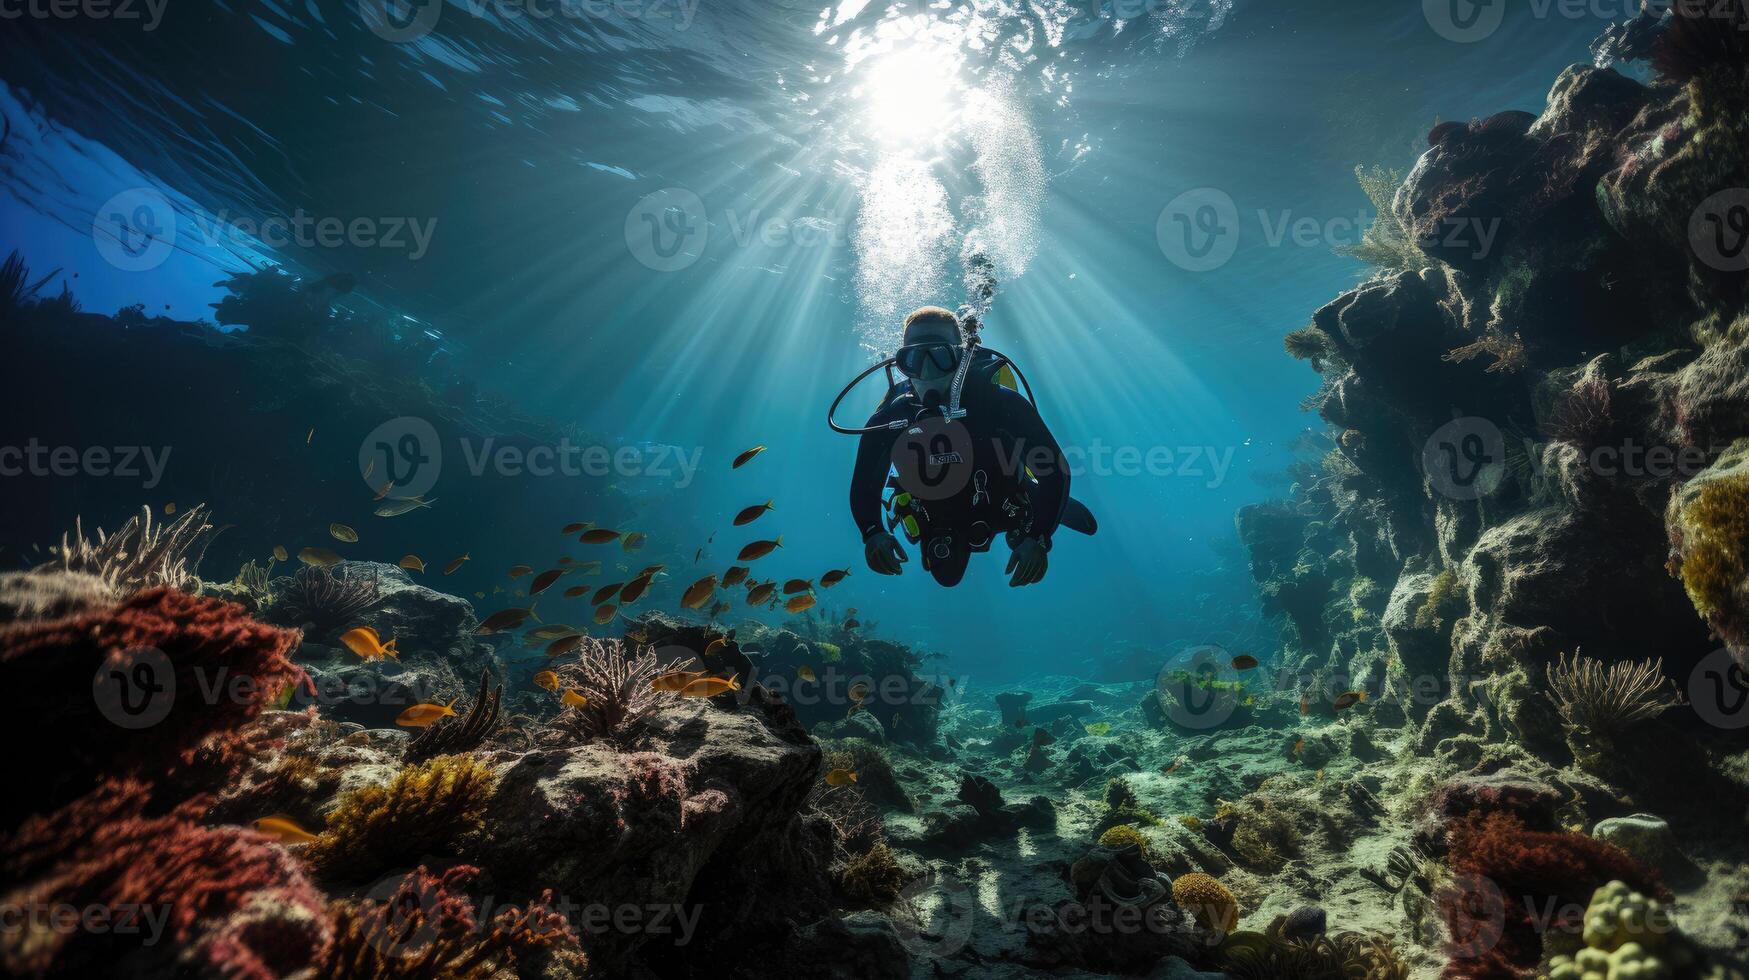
[
  {"x": 223, "y": 896},
  {"x": 1513, "y": 875},
  {"x": 212, "y": 671}
]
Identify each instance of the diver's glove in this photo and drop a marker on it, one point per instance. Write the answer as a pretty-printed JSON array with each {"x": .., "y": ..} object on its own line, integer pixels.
[
  {"x": 883, "y": 553},
  {"x": 1028, "y": 562}
]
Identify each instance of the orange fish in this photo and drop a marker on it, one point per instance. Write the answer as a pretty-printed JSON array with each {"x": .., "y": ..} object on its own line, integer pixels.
[
  {"x": 546, "y": 680},
  {"x": 1298, "y": 745},
  {"x": 833, "y": 578},
  {"x": 424, "y": 715},
  {"x": 709, "y": 687},
  {"x": 735, "y": 575},
  {"x": 806, "y": 673},
  {"x": 572, "y": 699},
  {"x": 795, "y": 585},
  {"x": 1349, "y": 700},
  {"x": 1169, "y": 770},
  {"x": 699, "y": 592},
  {"x": 364, "y": 641},
  {"x": 675, "y": 681},
  {"x": 599, "y": 535},
  {"x": 455, "y": 566},
  {"x": 799, "y": 603},
  {"x": 716, "y": 645},
  {"x": 759, "y": 549},
  {"x": 759, "y": 593},
  {"x": 564, "y": 645},
  {"x": 284, "y": 829},
  {"x": 575, "y": 591},
  {"x": 518, "y": 571},
  {"x": 750, "y": 514},
  {"x": 742, "y": 459}
]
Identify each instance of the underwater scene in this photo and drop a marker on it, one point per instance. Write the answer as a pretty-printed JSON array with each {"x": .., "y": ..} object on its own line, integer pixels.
[{"x": 888, "y": 489}]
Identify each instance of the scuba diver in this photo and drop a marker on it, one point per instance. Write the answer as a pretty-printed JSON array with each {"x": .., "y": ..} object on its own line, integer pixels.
[{"x": 955, "y": 455}]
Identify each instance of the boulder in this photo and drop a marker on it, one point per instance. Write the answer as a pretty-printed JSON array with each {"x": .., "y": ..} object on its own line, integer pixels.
[{"x": 1650, "y": 839}]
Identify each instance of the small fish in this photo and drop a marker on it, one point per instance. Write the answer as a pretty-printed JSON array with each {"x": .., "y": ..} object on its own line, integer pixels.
[
  {"x": 1299, "y": 744},
  {"x": 716, "y": 646},
  {"x": 744, "y": 458},
  {"x": 575, "y": 591},
  {"x": 1349, "y": 700},
  {"x": 735, "y": 575},
  {"x": 795, "y": 585},
  {"x": 544, "y": 580},
  {"x": 586, "y": 567},
  {"x": 633, "y": 541},
  {"x": 368, "y": 644},
  {"x": 675, "y": 681},
  {"x": 840, "y": 777},
  {"x": 384, "y": 492},
  {"x": 425, "y": 715},
  {"x": 280, "y": 554},
  {"x": 635, "y": 589},
  {"x": 759, "y": 549},
  {"x": 605, "y": 614},
  {"x": 799, "y": 603},
  {"x": 402, "y": 505},
  {"x": 699, "y": 592},
  {"x": 1169, "y": 770},
  {"x": 759, "y": 593},
  {"x": 341, "y": 532},
  {"x": 284, "y": 829},
  {"x": 1306, "y": 704},
  {"x": 552, "y": 631},
  {"x": 572, "y": 698},
  {"x": 599, "y": 535},
  {"x": 750, "y": 514},
  {"x": 859, "y": 691},
  {"x": 575, "y": 528},
  {"x": 1244, "y": 661},
  {"x": 852, "y": 623},
  {"x": 806, "y": 673},
  {"x": 319, "y": 557},
  {"x": 518, "y": 571},
  {"x": 709, "y": 687},
  {"x": 605, "y": 593},
  {"x": 479, "y": 595},
  {"x": 307, "y": 438},
  {"x": 546, "y": 680},
  {"x": 412, "y": 563},
  {"x": 652, "y": 571},
  {"x": 504, "y": 619},
  {"x": 455, "y": 566},
  {"x": 169, "y": 508},
  {"x": 833, "y": 578},
  {"x": 564, "y": 645},
  {"x": 697, "y": 555}
]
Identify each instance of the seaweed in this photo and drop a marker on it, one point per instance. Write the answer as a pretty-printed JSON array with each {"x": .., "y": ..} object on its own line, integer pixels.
[{"x": 428, "y": 806}]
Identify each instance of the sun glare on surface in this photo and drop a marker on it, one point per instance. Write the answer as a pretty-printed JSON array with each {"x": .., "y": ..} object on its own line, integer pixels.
[{"x": 912, "y": 94}]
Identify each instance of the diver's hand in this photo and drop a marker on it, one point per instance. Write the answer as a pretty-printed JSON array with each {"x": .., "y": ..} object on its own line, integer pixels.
[
  {"x": 1028, "y": 562},
  {"x": 883, "y": 553}
]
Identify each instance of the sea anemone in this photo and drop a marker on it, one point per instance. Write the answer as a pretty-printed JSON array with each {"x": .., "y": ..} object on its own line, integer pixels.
[
  {"x": 1596, "y": 698},
  {"x": 614, "y": 681},
  {"x": 139, "y": 555},
  {"x": 325, "y": 599}
]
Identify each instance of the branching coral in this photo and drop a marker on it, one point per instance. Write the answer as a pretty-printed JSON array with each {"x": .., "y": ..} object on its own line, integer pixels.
[
  {"x": 1386, "y": 243},
  {"x": 324, "y": 599},
  {"x": 139, "y": 555},
  {"x": 614, "y": 680},
  {"x": 429, "y": 806},
  {"x": 429, "y": 929},
  {"x": 194, "y": 669},
  {"x": 873, "y": 878},
  {"x": 1507, "y": 351},
  {"x": 1599, "y": 699}
]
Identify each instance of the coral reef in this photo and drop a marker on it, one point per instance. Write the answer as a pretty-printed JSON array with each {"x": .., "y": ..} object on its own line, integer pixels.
[
  {"x": 1204, "y": 897},
  {"x": 464, "y": 734},
  {"x": 1598, "y": 699},
  {"x": 324, "y": 600},
  {"x": 139, "y": 555},
  {"x": 429, "y": 806},
  {"x": 614, "y": 679}
]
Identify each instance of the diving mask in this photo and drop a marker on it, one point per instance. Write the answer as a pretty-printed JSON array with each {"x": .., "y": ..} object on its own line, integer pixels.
[{"x": 930, "y": 360}]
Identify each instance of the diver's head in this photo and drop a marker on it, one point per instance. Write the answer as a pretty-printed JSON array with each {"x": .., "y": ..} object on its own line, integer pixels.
[{"x": 931, "y": 350}]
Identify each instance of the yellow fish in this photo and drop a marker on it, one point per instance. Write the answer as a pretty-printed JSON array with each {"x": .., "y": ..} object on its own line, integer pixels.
[
  {"x": 423, "y": 715},
  {"x": 571, "y": 699},
  {"x": 807, "y": 674},
  {"x": 280, "y": 554},
  {"x": 169, "y": 508},
  {"x": 365, "y": 642},
  {"x": 675, "y": 681},
  {"x": 412, "y": 563},
  {"x": 320, "y": 557},
  {"x": 840, "y": 777},
  {"x": 455, "y": 566},
  {"x": 799, "y": 603},
  {"x": 341, "y": 532},
  {"x": 284, "y": 829},
  {"x": 709, "y": 687},
  {"x": 716, "y": 645},
  {"x": 759, "y": 549},
  {"x": 546, "y": 680},
  {"x": 634, "y": 541}
]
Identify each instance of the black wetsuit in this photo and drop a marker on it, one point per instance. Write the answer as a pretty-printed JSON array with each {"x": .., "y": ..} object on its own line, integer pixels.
[{"x": 1015, "y": 480}]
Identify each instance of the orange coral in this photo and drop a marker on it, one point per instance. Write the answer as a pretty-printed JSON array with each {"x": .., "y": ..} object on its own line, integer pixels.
[{"x": 1207, "y": 900}]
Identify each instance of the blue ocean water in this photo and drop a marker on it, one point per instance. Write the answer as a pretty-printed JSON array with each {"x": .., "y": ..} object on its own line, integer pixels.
[{"x": 687, "y": 224}]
